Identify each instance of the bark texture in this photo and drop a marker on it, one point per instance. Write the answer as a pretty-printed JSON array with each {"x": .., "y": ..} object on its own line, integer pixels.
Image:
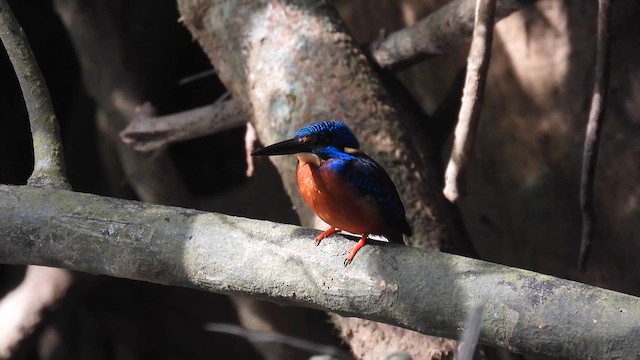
[{"x": 524, "y": 311}]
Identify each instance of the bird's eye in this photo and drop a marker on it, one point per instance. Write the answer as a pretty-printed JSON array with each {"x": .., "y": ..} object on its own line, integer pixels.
[{"x": 310, "y": 139}]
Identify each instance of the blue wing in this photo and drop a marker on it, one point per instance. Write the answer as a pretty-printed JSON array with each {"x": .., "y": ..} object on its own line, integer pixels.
[{"x": 374, "y": 184}]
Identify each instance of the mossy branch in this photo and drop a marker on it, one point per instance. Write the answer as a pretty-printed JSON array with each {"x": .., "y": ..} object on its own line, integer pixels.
[{"x": 429, "y": 292}]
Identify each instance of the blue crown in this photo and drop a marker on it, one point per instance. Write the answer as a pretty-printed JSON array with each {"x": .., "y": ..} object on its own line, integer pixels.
[{"x": 335, "y": 133}]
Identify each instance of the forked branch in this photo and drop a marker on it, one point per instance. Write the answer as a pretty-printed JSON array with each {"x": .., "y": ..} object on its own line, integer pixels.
[{"x": 49, "y": 169}]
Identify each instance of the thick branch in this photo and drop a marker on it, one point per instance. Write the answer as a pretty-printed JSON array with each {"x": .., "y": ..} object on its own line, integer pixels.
[
  {"x": 438, "y": 33},
  {"x": 472, "y": 97},
  {"x": 147, "y": 132},
  {"x": 594, "y": 128},
  {"x": 49, "y": 166},
  {"x": 429, "y": 292}
]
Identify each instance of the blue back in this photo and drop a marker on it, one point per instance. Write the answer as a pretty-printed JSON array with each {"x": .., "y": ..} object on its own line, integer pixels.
[{"x": 370, "y": 180}]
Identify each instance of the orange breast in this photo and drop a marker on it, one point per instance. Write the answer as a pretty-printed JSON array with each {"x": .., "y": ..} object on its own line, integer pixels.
[{"x": 337, "y": 202}]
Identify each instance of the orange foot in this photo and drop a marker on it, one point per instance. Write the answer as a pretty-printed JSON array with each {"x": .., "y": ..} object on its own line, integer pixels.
[
  {"x": 329, "y": 232},
  {"x": 354, "y": 250}
]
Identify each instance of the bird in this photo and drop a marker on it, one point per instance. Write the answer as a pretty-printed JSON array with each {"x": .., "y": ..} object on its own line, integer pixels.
[{"x": 346, "y": 188}]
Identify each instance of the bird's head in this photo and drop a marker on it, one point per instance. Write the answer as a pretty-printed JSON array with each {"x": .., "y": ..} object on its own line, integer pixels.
[{"x": 314, "y": 139}]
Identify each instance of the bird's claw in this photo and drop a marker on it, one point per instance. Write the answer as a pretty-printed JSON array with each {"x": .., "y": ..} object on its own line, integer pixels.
[
  {"x": 325, "y": 234},
  {"x": 354, "y": 250},
  {"x": 350, "y": 256}
]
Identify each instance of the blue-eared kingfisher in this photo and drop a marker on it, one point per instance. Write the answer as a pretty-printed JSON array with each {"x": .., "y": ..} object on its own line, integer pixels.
[{"x": 347, "y": 189}]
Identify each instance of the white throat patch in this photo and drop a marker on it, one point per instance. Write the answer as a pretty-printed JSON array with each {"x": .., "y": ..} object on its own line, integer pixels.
[{"x": 309, "y": 158}]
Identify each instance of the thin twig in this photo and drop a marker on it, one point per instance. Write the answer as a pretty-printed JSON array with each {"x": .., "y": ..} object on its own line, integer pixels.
[
  {"x": 470, "y": 335},
  {"x": 195, "y": 77},
  {"x": 473, "y": 93},
  {"x": 49, "y": 168},
  {"x": 438, "y": 33},
  {"x": 271, "y": 337},
  {"x": 594, "y": 129},
  {"x": 147, "y": 132}
]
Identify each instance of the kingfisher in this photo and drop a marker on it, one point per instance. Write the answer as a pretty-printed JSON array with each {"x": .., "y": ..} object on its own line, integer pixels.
[{"x": 346, "y": 188}]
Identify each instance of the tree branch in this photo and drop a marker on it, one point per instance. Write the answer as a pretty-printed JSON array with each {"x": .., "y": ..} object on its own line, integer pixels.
[
  {"x": 429, "y": 292},
  {"x": 438, "y": 33},
  {"x": 49, "y": 169},
  {"x": 147, "y": 132},
  {"x": 472, "y": 97},
  {"x": 594, "y": 129}
]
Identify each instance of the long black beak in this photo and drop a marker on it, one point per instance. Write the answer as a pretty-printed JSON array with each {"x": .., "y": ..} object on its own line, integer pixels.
[{"x": 286, "y": 147}]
